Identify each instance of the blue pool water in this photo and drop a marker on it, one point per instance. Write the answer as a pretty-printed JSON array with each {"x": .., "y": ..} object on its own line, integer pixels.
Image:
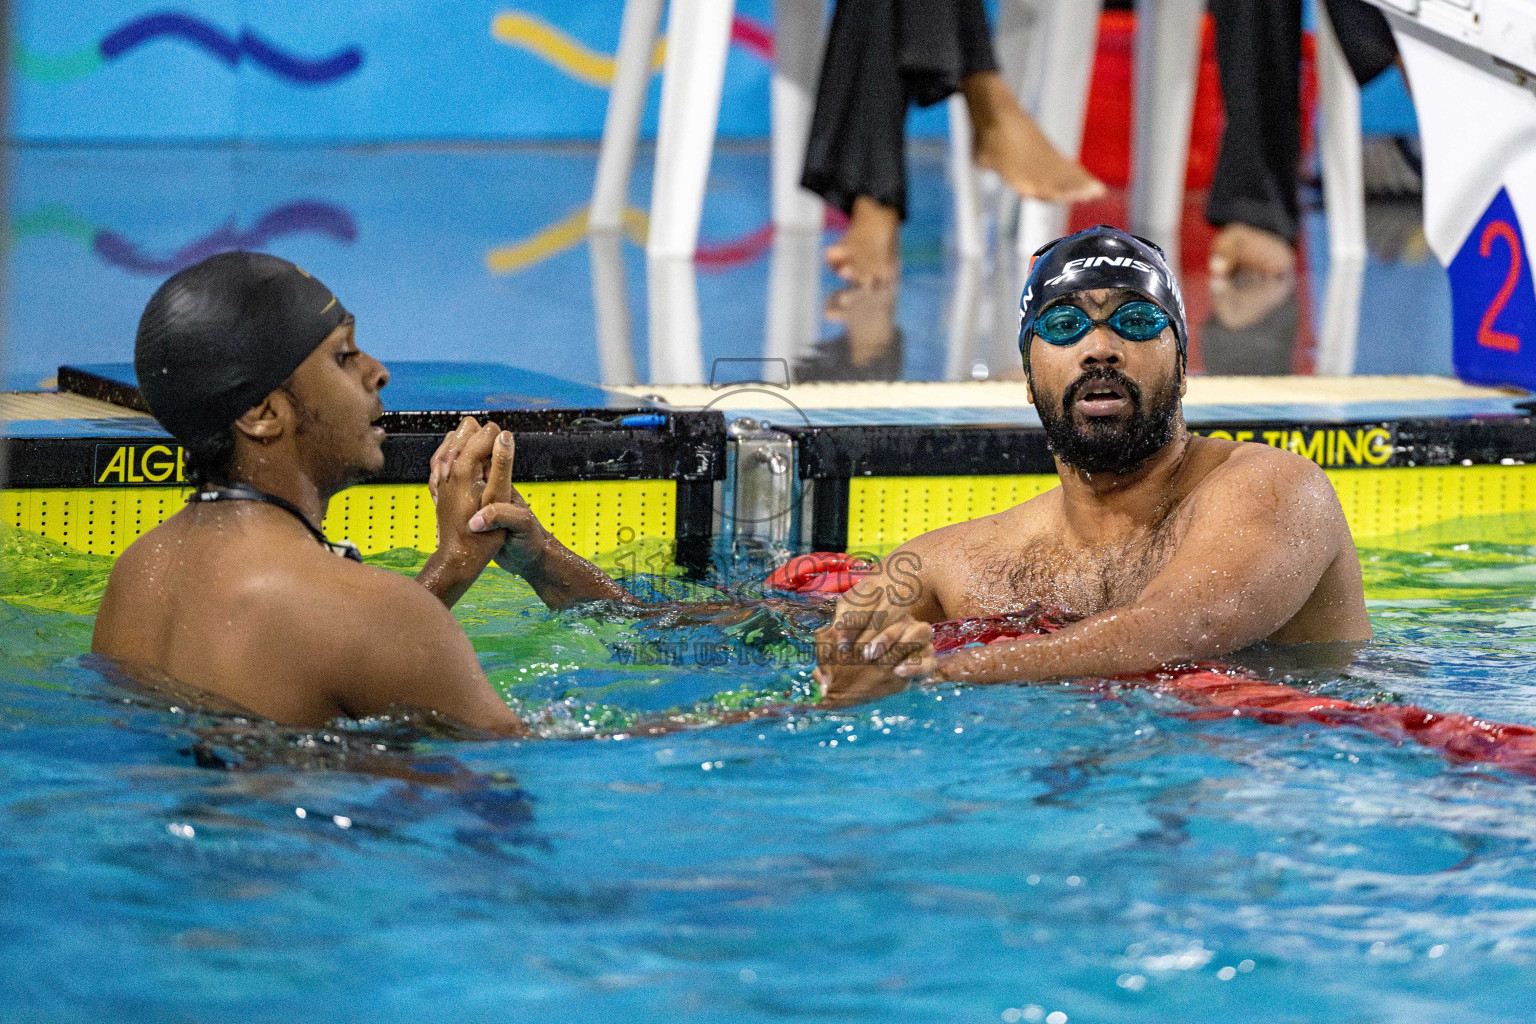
[{"x": 982, "y": 854}]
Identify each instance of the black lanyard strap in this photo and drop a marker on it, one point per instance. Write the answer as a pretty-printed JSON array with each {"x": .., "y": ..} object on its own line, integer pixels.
[{"x": 245, "y": 492}]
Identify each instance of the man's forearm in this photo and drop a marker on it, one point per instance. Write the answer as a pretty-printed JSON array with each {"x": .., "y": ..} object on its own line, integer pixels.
[
  {"x": 1126, "y": 641},
  {"x": 562, "y": 578},
  {"x": 448, "y": 576}
]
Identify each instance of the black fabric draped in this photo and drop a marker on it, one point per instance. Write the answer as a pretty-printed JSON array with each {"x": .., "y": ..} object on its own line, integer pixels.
[
  {"x": 1258, "y": 51},
  {"x": 881, "y": 55}
]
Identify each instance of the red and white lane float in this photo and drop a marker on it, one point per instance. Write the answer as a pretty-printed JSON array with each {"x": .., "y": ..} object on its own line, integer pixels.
[
  {"x": 820, "y": 572},
  {"x": 1218, "y": 691}
]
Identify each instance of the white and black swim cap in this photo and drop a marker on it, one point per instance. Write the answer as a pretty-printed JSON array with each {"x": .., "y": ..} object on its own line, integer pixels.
[
  {"x": 1101, "y": 257},
  {"x": 221, "y": 335}
]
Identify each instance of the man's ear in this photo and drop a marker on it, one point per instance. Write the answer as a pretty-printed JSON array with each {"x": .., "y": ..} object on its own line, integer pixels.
[{"x": 268, "y": 420}]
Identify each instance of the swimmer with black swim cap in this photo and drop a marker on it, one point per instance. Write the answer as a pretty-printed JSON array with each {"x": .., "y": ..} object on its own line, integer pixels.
[
  {"x": 253, "y": 365},
  {"x": 1171, "y": 547}
]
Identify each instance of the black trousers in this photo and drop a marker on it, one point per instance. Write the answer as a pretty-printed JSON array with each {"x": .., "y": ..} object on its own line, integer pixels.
[
  {"x": 1258, "y": 53},
  {"x": 881, "y": 55}
]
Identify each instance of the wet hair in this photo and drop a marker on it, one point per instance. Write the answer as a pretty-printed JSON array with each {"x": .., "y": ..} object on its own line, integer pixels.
[{"x": 221, "y": 335}]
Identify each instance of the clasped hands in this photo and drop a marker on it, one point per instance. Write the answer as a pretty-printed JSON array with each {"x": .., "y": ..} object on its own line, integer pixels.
[
  {"x": 480, "y": 515},
  {"x": 864, "y": 654},
  {"x": 861, "y": 654}
]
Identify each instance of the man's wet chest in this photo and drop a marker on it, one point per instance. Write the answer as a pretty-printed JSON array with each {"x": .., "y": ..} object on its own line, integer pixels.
[{"x": 1086, "y": 579}]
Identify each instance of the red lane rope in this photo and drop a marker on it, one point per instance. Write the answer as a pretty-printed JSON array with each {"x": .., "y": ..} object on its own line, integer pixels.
[
  {"x": 1219, "y": 690},
  {"x": 820, "y": 572}
]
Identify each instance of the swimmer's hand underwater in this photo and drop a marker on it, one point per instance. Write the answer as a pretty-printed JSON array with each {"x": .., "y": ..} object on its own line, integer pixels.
[{"x": 864, "y": 655}]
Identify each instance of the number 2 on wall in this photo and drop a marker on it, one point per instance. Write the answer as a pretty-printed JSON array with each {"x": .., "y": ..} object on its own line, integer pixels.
[{"x": 1486, "y": 335}]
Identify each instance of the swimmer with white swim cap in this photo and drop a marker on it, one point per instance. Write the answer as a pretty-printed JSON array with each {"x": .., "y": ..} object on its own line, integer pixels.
[
  {"x": 253, "y": 365},
  {"x": 1172, "y": 547}
]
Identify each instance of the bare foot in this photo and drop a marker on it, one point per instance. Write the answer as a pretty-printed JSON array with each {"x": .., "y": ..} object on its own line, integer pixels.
[
  {"x": 868, "y": 253},
  {"x": 1245, "y": 249},
  {"x": 1008, "y": 142},
  {"x": 869, "y": 317},
  {"x": 1242, "y": 301}
]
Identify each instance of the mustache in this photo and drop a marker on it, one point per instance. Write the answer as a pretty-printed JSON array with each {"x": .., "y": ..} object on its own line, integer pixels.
[{"x": 1097, "y": 375}]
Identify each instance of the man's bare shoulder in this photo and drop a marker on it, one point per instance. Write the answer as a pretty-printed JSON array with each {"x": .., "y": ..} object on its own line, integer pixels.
[
  {"x": 313, "y": 590},
  {"x": 1262, "y": 480},
  {"x": 363, "y": 635}
]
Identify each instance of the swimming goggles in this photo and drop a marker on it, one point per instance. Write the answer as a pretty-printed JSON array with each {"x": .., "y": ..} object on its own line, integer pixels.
[{"x": 1137, "y": 320}]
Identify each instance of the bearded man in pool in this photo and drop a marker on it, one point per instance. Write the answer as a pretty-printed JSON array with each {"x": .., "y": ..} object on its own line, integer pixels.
[
  {"x": 253, "y": 365},
  {"x": 1171, "y": 547}
]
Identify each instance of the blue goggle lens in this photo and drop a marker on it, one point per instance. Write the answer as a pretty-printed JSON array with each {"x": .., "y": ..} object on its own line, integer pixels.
[
  {"x": 1139, "y": 321},
  {"x": 1062, "y": 325},
  {"x": 1134, "y": 321}
]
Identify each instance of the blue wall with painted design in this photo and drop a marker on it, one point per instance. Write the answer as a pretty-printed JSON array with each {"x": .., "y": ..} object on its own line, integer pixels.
[
  {"x": 328, "y": 70},
  {"x": 335, "y": 70}
]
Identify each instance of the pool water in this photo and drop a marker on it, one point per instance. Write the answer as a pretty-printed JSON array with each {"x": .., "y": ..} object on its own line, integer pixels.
[{"x": 1047, "y": 853}]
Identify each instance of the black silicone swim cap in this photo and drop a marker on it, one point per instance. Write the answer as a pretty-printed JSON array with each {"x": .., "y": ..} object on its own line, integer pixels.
[
  {"x": 1100, "y": 257},
  {"x": 223, "y": 334}
]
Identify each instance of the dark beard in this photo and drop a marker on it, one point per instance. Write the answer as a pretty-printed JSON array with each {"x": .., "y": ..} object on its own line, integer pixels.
[{"x": 1110, "y": 445}]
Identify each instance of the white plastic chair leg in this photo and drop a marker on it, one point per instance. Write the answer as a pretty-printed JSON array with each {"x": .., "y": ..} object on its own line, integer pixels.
[
  {"x": 962, "y": 179},
  {"x": 794, "y": 294},
  {"x": 610, "y": 300},
  {"x": 797, "y": 50},
  {"x": 698, "y": 36},
  {"x": 1343, "y": 199},
  {"x": 626, "y": 105},
  {"x": 672, "y": 297},
  {"x": 960, "y": 355},
  {"x": 1066, "y": 37},
  {"x": 1338, "y": 337},
  {"x": 1340, "y": 144},
  {"x": 1167, "y": 58}
]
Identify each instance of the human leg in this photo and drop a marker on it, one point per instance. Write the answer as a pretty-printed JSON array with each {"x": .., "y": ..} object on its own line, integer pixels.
[
  {"x": 1253, "y": 196},
  {"x": 1006, "y": 139},
  {"x": 855, "y": 156}
]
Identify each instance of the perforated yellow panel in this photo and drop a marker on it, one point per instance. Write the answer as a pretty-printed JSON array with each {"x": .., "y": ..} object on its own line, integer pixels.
[
  {"x": 382, "y": 517},
  {"x": 99, "y": 521},
  {"x": 1382, "y": 502},
  {"x": 590, "y": 517},
  {"x": 593, "y": 518},
  {"x": 885, "y": 511}
]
